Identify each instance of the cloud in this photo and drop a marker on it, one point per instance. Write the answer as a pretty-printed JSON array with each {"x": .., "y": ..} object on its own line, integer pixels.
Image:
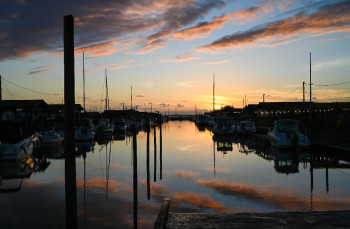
[
  {"x": 140, "y": 96},
  {"x": 187, "y": 84},
  {"x": 217, "y": 62},
  {"x": 203, "y": 29},
  {"x": 28, "y": 29},
  {"x": 119, "y": 67},
  {"x": 181, "y": 58},
  {"x": 163, "y": 105},
  {"x": 328, "y": 19},
  {"x": 176, "y": 17},
  {"x": 330, "y": 64},
  {"x": 40, "y": 69},
  {"x": 179, "y": 105},
  {"x": 101, "y": 49}
]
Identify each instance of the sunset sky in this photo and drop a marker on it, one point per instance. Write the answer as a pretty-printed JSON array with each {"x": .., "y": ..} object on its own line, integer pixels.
[{"x": 169, "y": 50}]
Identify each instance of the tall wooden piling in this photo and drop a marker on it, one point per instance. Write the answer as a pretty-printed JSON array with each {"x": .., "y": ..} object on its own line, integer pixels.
[
  {"x": 0, "y": 89},
  {"x": 148, "y": 175},
  {"x": 69, "y": 103},
  {"x": 155, "y": 155}
]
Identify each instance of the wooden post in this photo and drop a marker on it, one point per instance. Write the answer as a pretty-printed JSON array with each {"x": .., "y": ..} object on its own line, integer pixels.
[
  {"x": 155, "y": 155},
  {"x": 160, "y": 148},
  {"x": 69, "y": 102},
  {"x": 163, "y": 214},
  {"x": 0, "y": 89},
  {"x": 148, "y": 175}
]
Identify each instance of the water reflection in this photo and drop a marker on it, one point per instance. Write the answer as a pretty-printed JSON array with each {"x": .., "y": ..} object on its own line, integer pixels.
[
  {"x": 12, "y": 173},
  {"x": 199, "y": 172}
]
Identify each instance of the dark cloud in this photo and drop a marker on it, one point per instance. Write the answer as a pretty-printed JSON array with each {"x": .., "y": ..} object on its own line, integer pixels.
[
  {"x": 329, "y": 18},
  {"x": 140, "y": 96},
  {"x": 37, "y": 26},
  {"x": 179, "y": 105}
]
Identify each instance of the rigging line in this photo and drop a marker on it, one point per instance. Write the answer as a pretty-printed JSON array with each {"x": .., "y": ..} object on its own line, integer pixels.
[
  {"x": 329, "y": 85},
  {"x": 8, "y": 90},
  {"x": 43, "y": 93},
  {"x": 277, "y": 97},
  {"x": 298, "y": 94}
]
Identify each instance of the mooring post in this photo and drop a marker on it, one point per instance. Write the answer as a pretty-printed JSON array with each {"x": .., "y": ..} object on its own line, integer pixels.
[
  {"x": 162, "y": 215},
  {"x": 69, "y": 103},
  {"x": 0, "y": 89}
]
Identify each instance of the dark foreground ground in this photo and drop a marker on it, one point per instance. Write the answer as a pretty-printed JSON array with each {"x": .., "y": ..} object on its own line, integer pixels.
[{"x": 315, "y": 219}]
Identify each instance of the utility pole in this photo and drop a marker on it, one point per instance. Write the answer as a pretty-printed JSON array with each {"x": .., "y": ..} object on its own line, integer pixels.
[
  {"x": 245, "y": 99},
  {"x": 304, "y": 92},
  {"x": 243, "y": 104},
  {"x": 310, "y": 99},
  {"x": 263, "y": 98},
  {"x": 214, "y": 92}
]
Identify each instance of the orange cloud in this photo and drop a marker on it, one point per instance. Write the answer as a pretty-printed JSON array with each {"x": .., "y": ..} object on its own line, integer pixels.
[
  {"x": 239, "y": 17},
  {"x": 281, "y": 198},
  {"x": 329, "y": 19},
  {"x": 101, "y": 49},
  {"x": 180, "y": 59},
  {"x": 217, "y": 62},
  {"x": 152, "y": 46},
  {"x": 202, "y": 201}
]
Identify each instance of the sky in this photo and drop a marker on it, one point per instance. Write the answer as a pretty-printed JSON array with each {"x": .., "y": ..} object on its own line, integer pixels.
[{"x": 169, "y": 51}]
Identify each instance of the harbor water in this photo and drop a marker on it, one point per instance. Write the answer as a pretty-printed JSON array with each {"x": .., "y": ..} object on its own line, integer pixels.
[{"x": 122, "y": 183}]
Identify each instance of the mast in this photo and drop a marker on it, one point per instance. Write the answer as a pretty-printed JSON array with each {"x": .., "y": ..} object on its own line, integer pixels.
[
  {"x": 84, "y": 83},
  {"x": 304, "y": 92},
  {"x": 107, "y": 99},
  {"x": 214, "y": 92},
  {"x": 131, "y": 99}
]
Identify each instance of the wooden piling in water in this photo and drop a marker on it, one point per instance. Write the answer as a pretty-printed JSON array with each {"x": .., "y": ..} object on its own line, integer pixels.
[
  {"x": 69, "y": 102},
  {"x": 162, "y": 215}
]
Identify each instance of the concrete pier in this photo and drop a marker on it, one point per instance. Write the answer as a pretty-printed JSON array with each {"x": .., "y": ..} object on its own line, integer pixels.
[{"x": 311, "y": 219}]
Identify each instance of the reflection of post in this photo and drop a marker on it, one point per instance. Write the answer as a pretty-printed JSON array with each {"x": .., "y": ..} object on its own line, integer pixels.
[
  {"x": 134, "y": 147},
  {"x": 312, "y": 182},
  {"x": 214, "y": 155},
  {"x": 69, "y": 101},
  {"x": 161, "y": 149},
  {"x": 155, "y": 154},
  {"x": 327, "y": 184},
  {"x": 148, "y": 183},
  {"x": 84, "y": 156}
]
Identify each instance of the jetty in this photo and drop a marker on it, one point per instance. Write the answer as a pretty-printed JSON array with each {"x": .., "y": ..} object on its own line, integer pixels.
[{"x": 309, "y": 219}]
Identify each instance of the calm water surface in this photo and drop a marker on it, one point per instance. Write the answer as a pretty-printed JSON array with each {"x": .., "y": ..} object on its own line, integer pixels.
[{"x": 119, "y": 189}]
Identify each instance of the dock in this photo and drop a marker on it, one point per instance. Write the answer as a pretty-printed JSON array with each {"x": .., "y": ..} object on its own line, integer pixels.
[{"x": 310, "y": 219}]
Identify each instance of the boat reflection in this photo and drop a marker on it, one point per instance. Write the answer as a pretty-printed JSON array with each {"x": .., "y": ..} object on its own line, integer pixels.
[{"x": 12, "y": 173}]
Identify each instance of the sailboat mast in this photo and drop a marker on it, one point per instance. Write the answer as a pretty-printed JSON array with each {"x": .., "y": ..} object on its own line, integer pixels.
[
  {"x": 214, "y": 92},
  {"x": 107, "y": 99},
  {"x": 131, "y": 98},
  {"x": 84, "y": 83}
]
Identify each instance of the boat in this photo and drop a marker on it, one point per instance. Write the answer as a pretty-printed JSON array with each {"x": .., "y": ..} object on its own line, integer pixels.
[
  {"x": 223, "y": 126},
  {"x": 286, "y": 135},
  {"x": 85, "y": 131},
  {"x": 245, "y": 127},
  {"x": 14, "y": 146},
  {"x": 52, "y": 140},
  {"x": 104, "y": 129},
  {"x": 120, "y": 126}
]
